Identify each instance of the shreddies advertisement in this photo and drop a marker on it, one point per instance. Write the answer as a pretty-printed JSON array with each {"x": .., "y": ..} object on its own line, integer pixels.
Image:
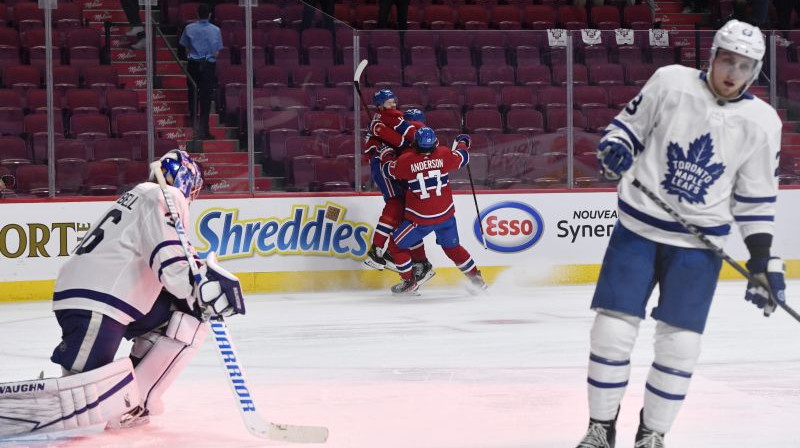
[{"x": 537, "y": 232}]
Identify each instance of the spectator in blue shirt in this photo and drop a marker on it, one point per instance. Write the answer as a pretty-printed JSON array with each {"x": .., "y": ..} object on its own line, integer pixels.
[{"x": 202, "y": 41}]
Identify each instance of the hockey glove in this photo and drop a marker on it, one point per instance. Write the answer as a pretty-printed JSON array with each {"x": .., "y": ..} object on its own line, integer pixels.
[
  {"x": 615, "y": 157},
  {"x": 220, "y": 293},
  {"x": 464, "y": 138},
  {"x": 386, "y": 153},
  {"x": 770, "y": 271}
]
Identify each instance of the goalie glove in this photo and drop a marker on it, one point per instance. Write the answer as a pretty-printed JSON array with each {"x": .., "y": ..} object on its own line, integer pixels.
[
  {"x": 219, "y": 293},
  {"x": 770, "y": 271},
  {"x": 615, "y": 157}
]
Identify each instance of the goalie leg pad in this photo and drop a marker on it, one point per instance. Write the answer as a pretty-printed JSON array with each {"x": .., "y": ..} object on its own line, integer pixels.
[
  {"x": 163, "y": 355},
  {"x": 76, "y": 401},
  {"x": 613, "y": 336},
  {"x": 676, "y": 353}
]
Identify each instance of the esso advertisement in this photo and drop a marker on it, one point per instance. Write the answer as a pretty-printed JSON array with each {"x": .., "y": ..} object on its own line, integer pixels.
[{"x": 510, "y": 226}]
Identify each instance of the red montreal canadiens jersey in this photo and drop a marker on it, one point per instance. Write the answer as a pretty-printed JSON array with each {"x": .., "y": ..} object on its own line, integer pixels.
[
  {"x": 389, "y": 127},
  {"x": 429, "y": 199}
]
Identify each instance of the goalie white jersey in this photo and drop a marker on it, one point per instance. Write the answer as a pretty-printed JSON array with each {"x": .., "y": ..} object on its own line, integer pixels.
[
  {"x": 126, "y": 257},
  {"x": 713, "y": 162}
]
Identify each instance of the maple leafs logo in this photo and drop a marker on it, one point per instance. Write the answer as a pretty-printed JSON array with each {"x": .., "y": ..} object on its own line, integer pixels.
[{"x": 689, "y": 176}]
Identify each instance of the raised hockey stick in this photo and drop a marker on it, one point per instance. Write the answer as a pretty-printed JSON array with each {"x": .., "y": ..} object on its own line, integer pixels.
[
  {"x": 255, "y": 424},
  {"x": 474, "y": 198},
  {"x": 357, "y": 83},
  {"x": 716, "y": 249}
]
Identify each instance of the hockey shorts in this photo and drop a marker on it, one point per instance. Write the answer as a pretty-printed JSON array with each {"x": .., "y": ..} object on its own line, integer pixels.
[
  {"x": 633, "y": 265},
  {"x": 390, "y": 188},
  {"x": 408, "y": 234},
  {"x": 90, "y": 339}
]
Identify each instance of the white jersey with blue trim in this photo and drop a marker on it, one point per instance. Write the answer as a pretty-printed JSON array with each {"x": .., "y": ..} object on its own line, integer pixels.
[
  {"x": 713, "y": 162},
  {"x": 126, "y": 257}
]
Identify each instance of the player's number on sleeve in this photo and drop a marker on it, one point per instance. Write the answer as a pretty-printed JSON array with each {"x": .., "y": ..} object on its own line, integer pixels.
[
  {"x": 633, "y": 106},
  {"x": 423, "y": 187},
  {"x": 94, "y": 238}
]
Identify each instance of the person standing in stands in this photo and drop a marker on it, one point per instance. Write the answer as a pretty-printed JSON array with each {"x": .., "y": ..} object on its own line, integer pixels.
[
  {"x": 385, "y": 7},
  {"x": 131, "y": 8},
  {"x": 202, "y": 41},
  {"x": 309, "y": 9}
]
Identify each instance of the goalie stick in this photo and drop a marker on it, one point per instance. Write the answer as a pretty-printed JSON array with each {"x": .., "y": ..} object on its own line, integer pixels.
[
  {"x": 713, "y": 247},
  {"x": 255, "y": 424}
]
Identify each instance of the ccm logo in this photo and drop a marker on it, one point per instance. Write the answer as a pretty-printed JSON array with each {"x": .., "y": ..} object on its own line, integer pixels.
[{"x": 510, "y": 226}]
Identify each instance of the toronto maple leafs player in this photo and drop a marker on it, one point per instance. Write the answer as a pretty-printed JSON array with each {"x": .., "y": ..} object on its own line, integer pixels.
[
  {"x": 128, "y": 278},
  {"x": 709, "y": 150}
]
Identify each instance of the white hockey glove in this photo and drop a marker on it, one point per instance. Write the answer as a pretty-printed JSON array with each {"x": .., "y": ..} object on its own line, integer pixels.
[
  {"x": 770, "y": 271},
  {"x": 615, "y": 157},
  {"x": 220, "y": 293}
]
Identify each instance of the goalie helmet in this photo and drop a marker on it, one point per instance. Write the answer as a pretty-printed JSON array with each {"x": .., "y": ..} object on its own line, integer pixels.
[
  {"x": 382, "y": 96},
  {"x": 414, "y": 115},
  {"x": 182, "y": 172},
  {"x": 425, "y": 140},
  {"x": 743, "y": 39}
]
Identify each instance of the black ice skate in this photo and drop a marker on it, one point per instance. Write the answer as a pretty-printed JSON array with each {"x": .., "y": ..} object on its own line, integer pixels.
[
  {"x": 476, "y": 284},
  {"x": 374, "y": 260},
  {"x": 390, "y": 265},
  {"x": 646, "y": 437},
  {"x": 423, "y": 271},
  {"x": 601, "y": 434},
  {"x": 408, "y": 287}
]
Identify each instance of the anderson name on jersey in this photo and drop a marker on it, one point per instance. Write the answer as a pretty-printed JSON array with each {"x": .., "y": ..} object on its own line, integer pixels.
[
  {"x": 126, "y": 257},
  {"x": 712, "y": 162},
  {"x": 429, "y": 199}
]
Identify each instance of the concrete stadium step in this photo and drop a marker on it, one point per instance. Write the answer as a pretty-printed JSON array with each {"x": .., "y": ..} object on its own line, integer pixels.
[
  {"x": 108, "y": 15},
  {"x": 679, "y": 18},
  {"x": 176, "y": 121},
  {"x": 139, "y": 68},
  {"x": 208, "y": 146},
  {"x": 227, "y": 171},
  {"x": 240, "y": 185},
  {"x": 187, "y": 133},
  {"x": 161, "y": 82},
  {"x": 119, "y": 40},
  {"x": 125, "y": 54},
  {"x": 221, "y": 157},
  {"x": 164, "y": 94},
  {"x": 101, "y": 4}
]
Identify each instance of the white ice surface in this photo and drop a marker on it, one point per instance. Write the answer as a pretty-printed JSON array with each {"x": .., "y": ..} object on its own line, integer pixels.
[{"x": 447, "y": 370}]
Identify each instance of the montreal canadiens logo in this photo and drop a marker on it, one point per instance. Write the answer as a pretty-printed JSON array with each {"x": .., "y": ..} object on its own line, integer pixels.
[{"x": 510, "y": 226}]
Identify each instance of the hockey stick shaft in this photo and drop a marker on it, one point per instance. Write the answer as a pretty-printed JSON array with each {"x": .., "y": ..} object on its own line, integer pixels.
[
  {"x": 710, "y": 245},
  {"x": 255, "y": 424},
  {"x": 474, "y": 199},
  {"x": 357, "y": 83}
]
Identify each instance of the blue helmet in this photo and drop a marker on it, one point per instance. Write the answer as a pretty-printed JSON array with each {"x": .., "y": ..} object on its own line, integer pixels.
[
  {"x": 381, "y": 96},
  {"x": 414, "y": 115},
  {"x": 182, "y": 172},
  {"x": 425, "y": 139}
]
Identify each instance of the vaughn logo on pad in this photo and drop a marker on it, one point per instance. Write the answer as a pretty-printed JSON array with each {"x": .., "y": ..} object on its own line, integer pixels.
[{"x": 510, "y": 226}]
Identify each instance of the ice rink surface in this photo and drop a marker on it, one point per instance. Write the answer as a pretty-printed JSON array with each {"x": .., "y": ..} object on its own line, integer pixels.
[{"x": 447, "y": 370}]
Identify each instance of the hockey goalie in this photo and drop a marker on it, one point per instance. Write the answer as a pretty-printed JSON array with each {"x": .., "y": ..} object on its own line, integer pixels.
[{"x": 129, "y": 278}]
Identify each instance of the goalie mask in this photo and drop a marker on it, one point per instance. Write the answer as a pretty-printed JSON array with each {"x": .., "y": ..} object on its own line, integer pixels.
[
  {"x": 743, "y": 39},
  {"x": 425, "y": 140},
  {"x": 182, "y": 172}
]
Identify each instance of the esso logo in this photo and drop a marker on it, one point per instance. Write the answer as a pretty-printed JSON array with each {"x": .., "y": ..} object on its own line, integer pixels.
[{"x": 510, "y": 226}]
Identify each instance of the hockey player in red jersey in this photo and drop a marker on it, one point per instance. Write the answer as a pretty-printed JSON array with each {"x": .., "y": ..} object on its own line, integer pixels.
[
  {"x": 428, "y": 205},
  {"x": 391, "y": 128}
]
